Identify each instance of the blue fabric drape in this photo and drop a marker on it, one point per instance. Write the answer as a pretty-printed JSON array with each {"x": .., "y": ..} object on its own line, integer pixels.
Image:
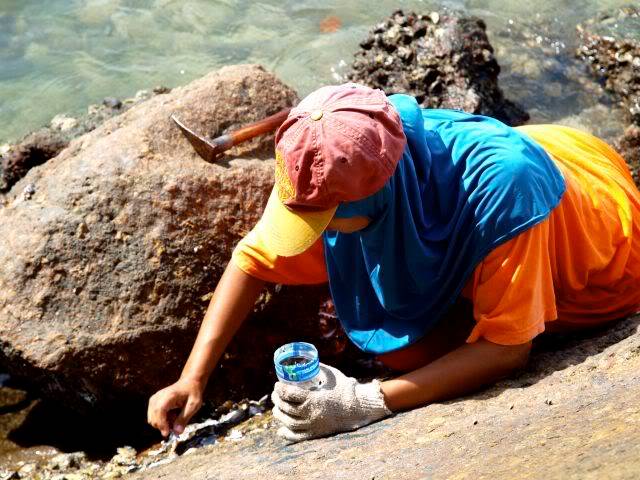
[{"x": 465, "y": 184}]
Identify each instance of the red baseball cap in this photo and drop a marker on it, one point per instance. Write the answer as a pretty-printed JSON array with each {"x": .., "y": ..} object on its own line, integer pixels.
[{"x": 340, "y": 144}]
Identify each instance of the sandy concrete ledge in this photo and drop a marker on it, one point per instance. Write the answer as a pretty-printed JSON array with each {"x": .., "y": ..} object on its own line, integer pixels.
[{"x": 575, "y": 413}]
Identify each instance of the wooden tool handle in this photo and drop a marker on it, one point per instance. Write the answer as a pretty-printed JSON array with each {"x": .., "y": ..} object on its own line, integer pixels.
[{"x": 260, "y": 127}]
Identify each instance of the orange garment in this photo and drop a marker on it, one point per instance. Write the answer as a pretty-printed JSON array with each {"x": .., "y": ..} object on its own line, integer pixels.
[
  {"x": 252, "y": 257},
  {"x": 581, "y": 265}
]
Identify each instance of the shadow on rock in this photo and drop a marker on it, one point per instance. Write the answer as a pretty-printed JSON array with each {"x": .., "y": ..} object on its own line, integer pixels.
[
  {"x": 50, "y": 423},
  {"x": 553, "y": 352}
]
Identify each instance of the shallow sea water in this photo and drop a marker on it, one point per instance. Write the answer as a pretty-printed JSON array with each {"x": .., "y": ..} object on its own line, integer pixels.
[{"x": 59, "y": 56}]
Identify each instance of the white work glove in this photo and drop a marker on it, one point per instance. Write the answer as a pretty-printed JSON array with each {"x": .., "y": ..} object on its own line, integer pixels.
[{"x": 340, "y": 404}]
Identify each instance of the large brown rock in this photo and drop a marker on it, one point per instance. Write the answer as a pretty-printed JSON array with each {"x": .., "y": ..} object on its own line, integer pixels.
[
  {"x": 109, "y": 251},
  {"x": 443, "y": 59}
]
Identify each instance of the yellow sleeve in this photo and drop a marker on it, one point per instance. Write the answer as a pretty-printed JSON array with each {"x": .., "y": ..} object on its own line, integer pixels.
[
  {"x": 512, "y": 290},
  {"x": 251, "y": 256}
]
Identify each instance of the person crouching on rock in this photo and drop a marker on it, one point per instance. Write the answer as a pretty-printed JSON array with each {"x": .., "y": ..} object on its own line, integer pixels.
[{"x": 408, "y": 212}]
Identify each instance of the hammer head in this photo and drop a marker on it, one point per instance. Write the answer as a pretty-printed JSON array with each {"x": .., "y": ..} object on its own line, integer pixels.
[{"x": 209, "y": 150}]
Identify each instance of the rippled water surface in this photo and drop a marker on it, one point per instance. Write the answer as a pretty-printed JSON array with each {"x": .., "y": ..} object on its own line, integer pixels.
[{"x": 58, "y": 56}]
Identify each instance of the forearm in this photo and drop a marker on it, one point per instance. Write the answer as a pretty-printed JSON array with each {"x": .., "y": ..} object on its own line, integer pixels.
[
  {"x": 233, "y": 299},
  {"x": 461, "y": 371}
]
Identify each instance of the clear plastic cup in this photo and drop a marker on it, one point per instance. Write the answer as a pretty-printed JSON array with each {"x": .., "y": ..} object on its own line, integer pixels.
[{"x": 297, "y": 363}]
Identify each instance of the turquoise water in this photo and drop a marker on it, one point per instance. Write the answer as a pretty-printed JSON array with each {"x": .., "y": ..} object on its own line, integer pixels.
[{"x": 58, "y": 56}]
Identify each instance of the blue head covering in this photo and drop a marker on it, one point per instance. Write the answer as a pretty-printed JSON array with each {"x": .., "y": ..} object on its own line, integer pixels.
[{"x": 465, "y": 184}]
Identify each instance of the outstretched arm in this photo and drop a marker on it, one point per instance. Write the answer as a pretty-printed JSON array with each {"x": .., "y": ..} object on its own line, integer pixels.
[
  {"x": 232, "y": 301},
  {"x": 461, "y": 371},
  {"x": 347, "y": 404}
]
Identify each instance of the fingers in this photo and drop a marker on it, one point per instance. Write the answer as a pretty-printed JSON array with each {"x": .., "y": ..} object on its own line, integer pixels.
[
  {"x": 162, "y": 419},
  {"x": 191, "y": 407},
  {"x": 150, "y": 411},
  {"x": 294, "y": 416},
  {"x": 292, "y": 423},
  {"x": 154, "y": 416},
  {"x": 160, "y": 405},
  {"x": 290, "y": 393},
  {"x": 287, "y": 434},
  {"x": 295, "y": 411},
  {"x": 291, "y": 409}
]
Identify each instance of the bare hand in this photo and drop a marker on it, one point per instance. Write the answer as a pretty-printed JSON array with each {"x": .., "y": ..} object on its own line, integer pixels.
[{"x": 183, "y": 397}]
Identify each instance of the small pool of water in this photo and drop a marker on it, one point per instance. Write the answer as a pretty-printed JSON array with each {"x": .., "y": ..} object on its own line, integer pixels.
[{"x": 60, "y": 56}]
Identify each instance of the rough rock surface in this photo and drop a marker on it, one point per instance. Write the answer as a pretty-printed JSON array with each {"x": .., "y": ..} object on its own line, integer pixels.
[
  {"x": 573, "y": 414},
  {"x": 444, "y": 60},
  {"x": 109, "y": 252},
  {"x": 629, "y": 147},
  {"x": 610, "y": 43},
  {"x": 38, "y": 147}
]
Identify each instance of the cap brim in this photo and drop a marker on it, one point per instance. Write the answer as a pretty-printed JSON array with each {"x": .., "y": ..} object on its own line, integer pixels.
[{"x": 287, "y": 232}]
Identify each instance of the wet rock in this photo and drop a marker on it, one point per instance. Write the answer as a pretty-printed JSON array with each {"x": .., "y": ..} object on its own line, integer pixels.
[
  {"x": 161, "y": 89},
  {"x": 610, "y": 44},
  {"x": 67, "y": 461},
  {"x": 444, "y": 60},
  {"x": 629, "y": 147},
  {"x": 112, "y": 102},
  {"x": 102, "y": 288},
  {"x": 70, "y": 476},
  {"x": 63, "y": 123},
  {"x": 205, "y": 433},
  {"x": 28, "y": 191},
  {"x": 141, "y": 95},
  {"x": 8, "y": 475},
  {"x": 38, "y": 147},
  {"x": 126, "y": 456},
  {"x": 27, "y": 470}
]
